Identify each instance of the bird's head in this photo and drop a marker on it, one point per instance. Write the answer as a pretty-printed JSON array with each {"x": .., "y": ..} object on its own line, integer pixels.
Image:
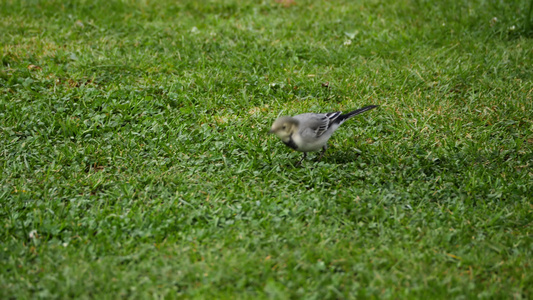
[{"x": 284, "y": 127}]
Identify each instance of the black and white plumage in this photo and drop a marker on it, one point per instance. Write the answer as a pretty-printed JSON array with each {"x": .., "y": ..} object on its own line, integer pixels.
[{"x": 310, "y": 132}]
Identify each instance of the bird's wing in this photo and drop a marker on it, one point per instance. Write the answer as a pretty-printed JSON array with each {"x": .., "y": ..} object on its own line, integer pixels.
[{"x": 317, "y": 124}]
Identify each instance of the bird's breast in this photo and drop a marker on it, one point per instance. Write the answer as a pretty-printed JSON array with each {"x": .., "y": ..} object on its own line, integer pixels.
[{"x": 291, "y": 144}]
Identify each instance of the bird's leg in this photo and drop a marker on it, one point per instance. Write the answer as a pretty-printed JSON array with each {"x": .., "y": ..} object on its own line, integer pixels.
[
  {"x": 298, "y": 163},
  {"x": 323, "y": 152}
]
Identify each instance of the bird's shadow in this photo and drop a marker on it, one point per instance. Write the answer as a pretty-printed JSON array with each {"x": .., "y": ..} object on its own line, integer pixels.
[
  {"x": 341, "y": 157},
  {"x": 335, "y": 157}
]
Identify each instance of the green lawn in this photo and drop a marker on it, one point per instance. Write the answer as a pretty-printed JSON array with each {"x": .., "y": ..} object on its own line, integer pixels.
[{"x": 135, "y": 160}]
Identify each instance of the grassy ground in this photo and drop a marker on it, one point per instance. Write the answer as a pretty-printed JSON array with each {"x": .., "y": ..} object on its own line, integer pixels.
[{"x": 135, "y": 163}]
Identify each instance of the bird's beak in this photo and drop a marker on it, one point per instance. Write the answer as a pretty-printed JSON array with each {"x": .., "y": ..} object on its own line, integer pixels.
[{"x": 271, "y": 131}]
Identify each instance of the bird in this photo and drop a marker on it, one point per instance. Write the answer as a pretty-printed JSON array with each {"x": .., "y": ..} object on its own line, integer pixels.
[{"x": 310, "y": 132}]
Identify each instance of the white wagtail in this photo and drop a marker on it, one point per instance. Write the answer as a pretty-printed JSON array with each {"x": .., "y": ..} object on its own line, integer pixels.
[{"x": 310, "y": 132}]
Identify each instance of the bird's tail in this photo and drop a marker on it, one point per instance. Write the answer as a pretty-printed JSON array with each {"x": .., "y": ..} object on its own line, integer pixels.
[{"x": 345, "y": 117}]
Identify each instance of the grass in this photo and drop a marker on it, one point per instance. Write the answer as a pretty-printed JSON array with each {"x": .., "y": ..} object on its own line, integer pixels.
[{"x": 135, "y": 163}]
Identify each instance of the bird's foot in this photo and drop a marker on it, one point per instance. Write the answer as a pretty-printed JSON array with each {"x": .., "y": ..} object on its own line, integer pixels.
[{"x": 300, "y": 162}]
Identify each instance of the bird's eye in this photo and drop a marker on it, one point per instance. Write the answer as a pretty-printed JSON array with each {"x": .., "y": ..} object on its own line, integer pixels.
[{"x": 284, "y": 127}]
